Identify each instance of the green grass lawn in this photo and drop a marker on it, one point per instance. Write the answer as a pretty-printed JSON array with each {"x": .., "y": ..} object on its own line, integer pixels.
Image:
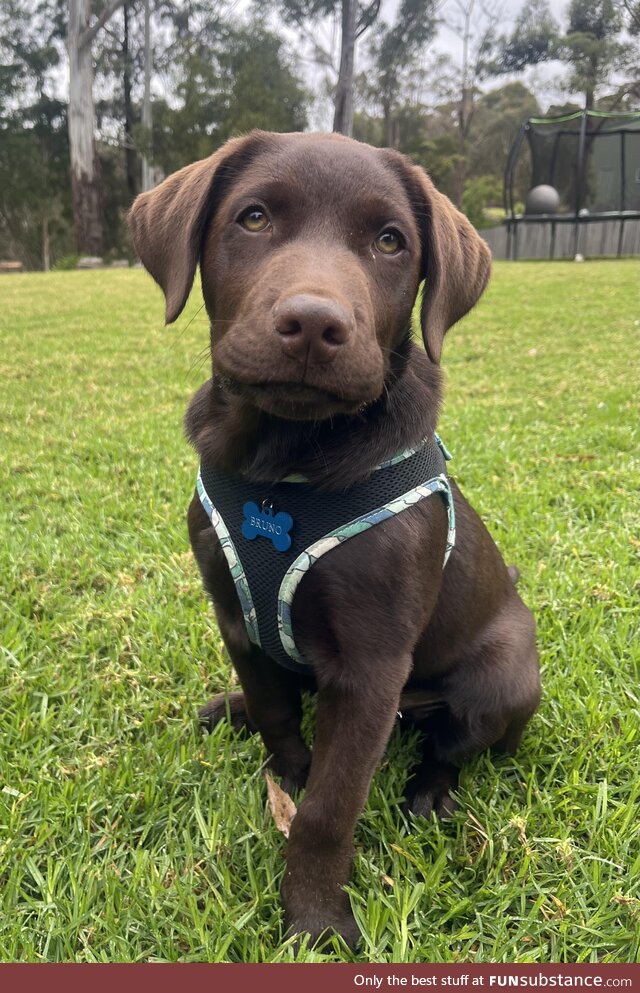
[{"x": 125, "y": 834}]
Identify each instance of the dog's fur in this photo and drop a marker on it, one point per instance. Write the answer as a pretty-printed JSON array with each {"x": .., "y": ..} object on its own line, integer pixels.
[{"x": 314, "y": 371}]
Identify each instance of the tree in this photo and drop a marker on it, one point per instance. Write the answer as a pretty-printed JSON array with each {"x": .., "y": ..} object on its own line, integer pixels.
[
  {"x": 631, "y": 11},
  {"x": 262, "y": 90},
  {"x": 498, "y": 116},
  {"x": 393, "y": 51},
  {"x": 476, "y": 24},
  {"x": 85, "y": 179},
  {"x": 229, "y": 80},
  {"x": 128, "y": 115},
  {"x": 223, "y": 77},
  {"x": 34, "y": 206},
  {"x": 590, "y": 45},
  {"x": 343, "y": 114},
  {"x": 118, "y": 65},
  {"x": 532, "y": 41},
  {"x": 355, "y": 19}
]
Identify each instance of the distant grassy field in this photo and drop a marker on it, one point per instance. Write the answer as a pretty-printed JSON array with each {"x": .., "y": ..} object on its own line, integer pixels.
[{"x": 127, "y": 835}]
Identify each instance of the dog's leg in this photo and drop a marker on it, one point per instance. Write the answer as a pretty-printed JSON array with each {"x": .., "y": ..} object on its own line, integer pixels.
[
  {"x": 352, "y": 730},
  {"x": 270, "y": 704},
  {"x": 492, "y": 692},
  {"x": 273, "y": 706}
]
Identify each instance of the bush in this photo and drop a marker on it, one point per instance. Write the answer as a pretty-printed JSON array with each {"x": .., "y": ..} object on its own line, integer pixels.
[
  {"x": 479, "y": 193},
  {"x": 67, "y": 262}
]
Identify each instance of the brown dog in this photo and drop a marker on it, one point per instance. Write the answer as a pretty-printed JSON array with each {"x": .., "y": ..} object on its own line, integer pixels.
[{"x": 312, "y": 249}]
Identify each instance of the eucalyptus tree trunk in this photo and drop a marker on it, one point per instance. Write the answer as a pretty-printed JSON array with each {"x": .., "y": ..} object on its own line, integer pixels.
[
  {"x": 46, "y": 245},
  {"x": 343, "y": 115},
  {"x": 129, "y": 149},
  {"x": 465, "y": 105},
  {"x": 85, "y": 177},
  {"x": 85, "y": 182},
  {"x": 147, "y": 168},
  {"x": 391, "y": 126}
]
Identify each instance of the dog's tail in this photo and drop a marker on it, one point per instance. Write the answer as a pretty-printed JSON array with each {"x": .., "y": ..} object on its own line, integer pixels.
[{"x": 514, "y": 572}]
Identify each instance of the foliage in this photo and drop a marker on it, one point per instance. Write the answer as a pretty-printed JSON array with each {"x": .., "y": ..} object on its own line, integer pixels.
[
  {"x": 485, "y": 191},
  {"x": 67, "y": 262},
  {"x": 264, "y": 91},
  {"x": 29, "y": 32},
  {"x": 498, "y": 116},
  {"x": 252, "y": 84},
  {"x": 34, "y": 182},
  {"x": 394, "y": 51},
  {"x": 631, "y": 13},
  {"x": 125, "y": 834},
  {"x": 34, "y": 179},
  {"x": 429, "y": 138},
  {"x": 590, "y": 46},
  {"x": 532, "y": 40}
]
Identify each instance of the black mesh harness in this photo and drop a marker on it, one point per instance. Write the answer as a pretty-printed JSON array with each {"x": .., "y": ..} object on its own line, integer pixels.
[{"x": 272, "y": 534}]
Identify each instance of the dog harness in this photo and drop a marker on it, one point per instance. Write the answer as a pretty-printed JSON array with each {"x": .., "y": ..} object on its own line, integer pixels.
[{"x": 273, "y": 533}]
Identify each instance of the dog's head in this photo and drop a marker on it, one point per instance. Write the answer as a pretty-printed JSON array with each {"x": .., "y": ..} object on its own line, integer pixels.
[{"x": 312, "y": 249}]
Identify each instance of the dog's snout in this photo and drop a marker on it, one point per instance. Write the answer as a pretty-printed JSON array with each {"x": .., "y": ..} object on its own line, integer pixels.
[{"x": 312, "y": 329}]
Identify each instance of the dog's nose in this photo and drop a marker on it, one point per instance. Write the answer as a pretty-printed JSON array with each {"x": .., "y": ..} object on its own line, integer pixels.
[{"x": 312, "y": 329}]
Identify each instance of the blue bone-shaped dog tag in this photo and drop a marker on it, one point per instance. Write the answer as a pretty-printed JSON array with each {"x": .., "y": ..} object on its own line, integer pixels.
[{"x": 266, "y": 524}]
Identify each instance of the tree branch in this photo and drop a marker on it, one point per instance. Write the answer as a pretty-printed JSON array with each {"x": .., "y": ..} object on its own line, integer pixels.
[
  {"x": 367, "y": 17},
  {"x": 633, "y": 11},
  {"x": 322, "y": 55},
  {"x": 87, "y": 36}
]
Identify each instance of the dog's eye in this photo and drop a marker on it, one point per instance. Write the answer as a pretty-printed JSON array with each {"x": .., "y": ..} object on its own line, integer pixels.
[
  {"x": 389, "y": 242},
  {"x": 254, "y": 219}
]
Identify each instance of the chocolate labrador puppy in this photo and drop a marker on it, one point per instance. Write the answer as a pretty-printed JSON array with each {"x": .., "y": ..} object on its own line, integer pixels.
[{"x": 321, "y": 413}]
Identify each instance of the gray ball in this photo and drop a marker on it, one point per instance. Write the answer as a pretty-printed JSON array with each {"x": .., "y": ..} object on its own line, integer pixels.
[{"x": 542, "y": 200}]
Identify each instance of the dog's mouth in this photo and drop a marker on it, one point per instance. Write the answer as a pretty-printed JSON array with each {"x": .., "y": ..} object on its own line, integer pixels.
[{"x": 293, "y": 401}]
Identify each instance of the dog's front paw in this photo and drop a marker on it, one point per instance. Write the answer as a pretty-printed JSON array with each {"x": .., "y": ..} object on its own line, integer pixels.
[
  {"x": 322, "y": 927},
  {"x": 315, "y": 902},
  {"x": 226, "y": 707}
]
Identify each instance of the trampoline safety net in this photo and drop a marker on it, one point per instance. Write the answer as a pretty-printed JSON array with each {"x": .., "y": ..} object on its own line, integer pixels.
[{"x": 591, "y": 158}]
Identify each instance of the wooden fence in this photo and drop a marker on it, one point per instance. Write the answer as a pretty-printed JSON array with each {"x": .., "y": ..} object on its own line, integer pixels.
[{"x": 546, "y": 239}]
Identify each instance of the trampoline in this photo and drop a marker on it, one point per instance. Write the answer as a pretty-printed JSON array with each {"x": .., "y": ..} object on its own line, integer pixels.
[{"x": 591, "y": 160}]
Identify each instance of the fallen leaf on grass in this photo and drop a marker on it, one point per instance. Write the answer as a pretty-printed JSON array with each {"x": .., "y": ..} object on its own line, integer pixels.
[{"x": 282, "y": 807}]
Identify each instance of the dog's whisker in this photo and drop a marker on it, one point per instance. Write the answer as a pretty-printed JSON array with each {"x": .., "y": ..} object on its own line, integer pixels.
[
  {"x": 199, "y": 357},
  {"x": 182, "y": 331}
]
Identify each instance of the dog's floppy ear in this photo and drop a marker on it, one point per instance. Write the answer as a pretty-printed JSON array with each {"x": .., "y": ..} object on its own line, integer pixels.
[
  {"x": 167, "y": 223},
  {"x": 456, "y": 262}
]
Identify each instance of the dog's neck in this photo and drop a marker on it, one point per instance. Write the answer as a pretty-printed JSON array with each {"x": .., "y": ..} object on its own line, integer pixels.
[{"x": 229, "y": 433}]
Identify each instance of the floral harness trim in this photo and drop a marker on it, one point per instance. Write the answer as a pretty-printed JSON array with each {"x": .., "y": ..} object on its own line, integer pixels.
[{"x": 243, "y": 515}]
